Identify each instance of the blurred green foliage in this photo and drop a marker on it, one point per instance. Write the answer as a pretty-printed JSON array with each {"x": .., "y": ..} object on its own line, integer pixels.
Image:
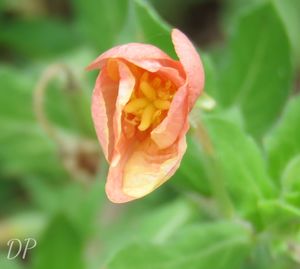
[
  {"x": 236, "y": 208},
  {"x": 254, "y": 71}
]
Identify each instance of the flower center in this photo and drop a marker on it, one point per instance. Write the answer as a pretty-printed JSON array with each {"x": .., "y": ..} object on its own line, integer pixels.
[{"x": 149, "y": 102}]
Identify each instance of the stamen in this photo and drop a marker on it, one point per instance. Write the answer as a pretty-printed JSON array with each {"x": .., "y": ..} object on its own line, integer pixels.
[
  {"x": 149, "y": 101},
  {"x": 163, "y": 95},
  {"x": 168, "y": 85},
  {"x": 147, "y": 117},
  {"x": 147, "y": 90},
  {"x": 133, "y": 121},
  {"x": 145, "y": 76},
  {"x": 162, "y": 104},
  {"x": 156, "y": 82},
  {"x": 135, "y": 105},
  {"x": 156, "y": 118}
]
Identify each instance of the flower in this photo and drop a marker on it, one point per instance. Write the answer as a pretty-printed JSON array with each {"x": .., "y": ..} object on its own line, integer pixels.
[{"x": 140, "y": 107}]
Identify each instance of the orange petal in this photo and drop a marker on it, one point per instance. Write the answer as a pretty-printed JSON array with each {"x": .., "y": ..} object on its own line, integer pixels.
[
  {"x": 167, "y": 132},
  {"x": 143, "y": 169},
  {"x": 191, "y": 63},
  {"x": 103, "y": 108},
  {"x": 108, "y": 101},
  {"x": 169, "y": 129},
  {"x": 145, "y": 56},
  {"x": 175, "y": 74},
  {"x": 114, "y": 181},
  {"x": 126, "y": 87},
  {"x": 149, "y": 167}
]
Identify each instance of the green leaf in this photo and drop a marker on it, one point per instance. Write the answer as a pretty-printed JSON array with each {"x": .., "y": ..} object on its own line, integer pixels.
[
  {"x": 80, "y": 205},
  {"x": 283, "y": 142},
  {"x": 133, "y": 21},
  {"x": 21, "y": 225},
  {"x": 194, "y": 247},
  {"x": 18, "y": 103},
  {"x": 291, "y": 175},
  {"x": 192, "y": 173},
  {"x": 9, "y": 264},
  {"x": 291, "y": 181},
  {"x": 60, "y": 247},
  {"x": 151, "y": 28},
  {"x": 257, "y": 73},
  {"x": 25, "y": 147},
  {"x": 168, "y": 220},
  {"x": 38, "y": 37},
  {"x": 289, "y": 11},
  {"x": 238, "y": 162},
  {"x": 260, "y": 257},
  {"x": 279, "y": 214},
  {"x": 211, "y": 75},
  {"x": 101, "y": 21},
  {"x": 263, "y": 256},
  {"x": 28, "y": 154}
]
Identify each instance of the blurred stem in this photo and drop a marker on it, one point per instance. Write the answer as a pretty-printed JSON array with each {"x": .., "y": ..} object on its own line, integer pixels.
[
  {"x": 75, "y": 98},
  {"x": 80, "y": 106},
  {"x": 79, "y": 156},
  {"x": 39, "y": 96},
  {"x": 215, "y": 176}
]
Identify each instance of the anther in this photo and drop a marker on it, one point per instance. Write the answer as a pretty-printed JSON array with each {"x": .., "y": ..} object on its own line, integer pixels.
[
  {"x": 156, "y": 82},
  {"x": 135, "y": 105},
  {"x": 147, "y": 90},
  {"x": 147, "y": 117},
  {"x": 162, "y": 104},
  {"x": 168, "y": 85}
]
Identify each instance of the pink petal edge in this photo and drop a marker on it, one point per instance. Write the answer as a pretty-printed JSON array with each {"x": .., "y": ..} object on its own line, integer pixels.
[{"x": 191, "y": 63}]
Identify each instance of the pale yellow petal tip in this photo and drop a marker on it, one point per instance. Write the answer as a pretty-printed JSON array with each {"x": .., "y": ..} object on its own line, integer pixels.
[
  {"x": 141, "y": 176},
  {"x": 120, "y": 198},
  {"x": 139, "y": 186},
  {"x": 137, "y": 193}
]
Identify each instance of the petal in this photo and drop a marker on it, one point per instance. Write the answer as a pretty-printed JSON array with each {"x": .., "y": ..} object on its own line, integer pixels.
[
  {"x": 103, "y": 108},
  {"x": 191, "y": 63},
  {"x": 149, "y": 167},
  {"x": 167, "y": 132},
  {"x": 143, "y": 168},
  {"x": 123, "y": 145},
  {"x": 114, "y": 181},
  {"x": 126, "y": 87},
  {"x": 145, "y": 56},
  {"x": 108, "y": 101},
  {"x": 175, "y": 74}
]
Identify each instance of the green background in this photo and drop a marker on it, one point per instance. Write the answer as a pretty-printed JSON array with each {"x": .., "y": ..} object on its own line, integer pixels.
[{"x": 234, "y": 207}]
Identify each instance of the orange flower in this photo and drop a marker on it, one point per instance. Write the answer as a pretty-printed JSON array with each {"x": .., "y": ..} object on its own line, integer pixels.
[{"x": 140, "y": 108}]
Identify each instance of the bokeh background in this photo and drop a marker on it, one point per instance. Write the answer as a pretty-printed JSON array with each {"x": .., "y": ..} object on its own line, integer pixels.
[{"x": 238, "y": 209}]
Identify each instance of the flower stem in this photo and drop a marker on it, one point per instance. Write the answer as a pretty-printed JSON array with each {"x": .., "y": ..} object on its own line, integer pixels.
[{"x": 79, "y": 155}]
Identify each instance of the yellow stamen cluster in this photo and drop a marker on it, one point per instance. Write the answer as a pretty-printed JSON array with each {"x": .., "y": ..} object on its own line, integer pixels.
[{"x": 149, "y": 102}]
